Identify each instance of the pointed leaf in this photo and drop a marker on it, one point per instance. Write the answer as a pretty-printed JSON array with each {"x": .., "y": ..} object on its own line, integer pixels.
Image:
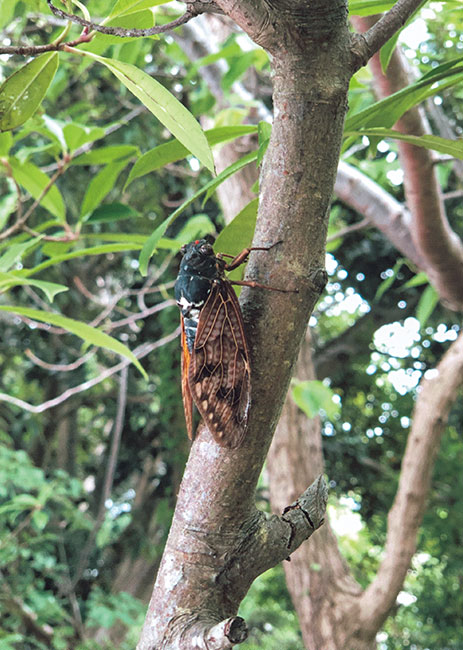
[
  {"x": 426, "y": 304},
  {"x": 15, "y": 252},
  {"x": 35, "y": 181},
  {"x": 164, "y": 106},
  {"x": 50, "y": 289},
  {"x": 100, "y": 186},
  {"x": 22, "y": 93},
  {"x": 452, "y": 148}
]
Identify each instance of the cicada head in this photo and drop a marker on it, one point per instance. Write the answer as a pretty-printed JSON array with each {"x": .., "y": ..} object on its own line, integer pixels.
[{"x": 198, "y": 259}]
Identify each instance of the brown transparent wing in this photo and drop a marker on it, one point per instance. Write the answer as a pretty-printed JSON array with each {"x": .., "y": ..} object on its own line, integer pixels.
[
  {"x": 186, "y": 393},
  {"x": 219, "y": 373}
]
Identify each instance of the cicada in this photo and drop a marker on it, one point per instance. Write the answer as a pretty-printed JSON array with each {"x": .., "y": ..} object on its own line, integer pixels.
[{"x": 216, "y": 373}]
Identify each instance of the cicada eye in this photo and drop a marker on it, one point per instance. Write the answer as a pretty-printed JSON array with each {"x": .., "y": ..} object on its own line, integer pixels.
[{"x": 205, "y": 249}]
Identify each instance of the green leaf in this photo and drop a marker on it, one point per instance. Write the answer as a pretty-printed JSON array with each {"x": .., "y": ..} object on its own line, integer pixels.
[
  {"x": 196, "y": 227},
  {"x": 105, "y": 155},
  {"x": 15, "y": 252},
  {"x": 238, "y": 234},
  {"x": 164, "y": 106},
  {"x": 100, "y": 186},
  {"x": 389, "y": 47},
  {"x": 313, "y": 397},
  {"x": 130, "y": 6},
  {"x": 40, "y": 519},
  {"x": 8, "y": 204},
  {"x": 151, "y": 245},
  {"x": 76, "y": 135},
  {"x": 6, "y": 142},
  {"x": 417, "y": 280},
  {"x": 369, "y": 7},
  {"x": 22, "y": 93},
  {"x": 34, "y": 181},
  {"x": 386, "y": 112},
  {"x": 143, "y": 19},
  {"x": 426, "y": 304},
  {"x": 152, "y": 241},
  {"x": 50, "y": 289},
  {"x": 104, "y": 249},
  {"x": 110, "y": 212},
  {"x": 389, "y": 281},
  {"x": 89, "y": 334},
  {"x": 173, "y": 150},
  {"x": 386, "y": 52},
  {"x": 452, "y": 148},
  {"x": 226, "y": 173}
]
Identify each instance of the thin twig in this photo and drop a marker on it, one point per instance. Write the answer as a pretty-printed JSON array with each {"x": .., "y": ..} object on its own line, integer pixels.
[
  {"x": 364, "y": 223},
  {"x": 59, "y": 367},
  {"x": 34, "y": 50},
  {"x": 121, "y": 31},
  {"x": 367, "y": 44},
  {"x": 141, "y": 315},
  {"x": 140, "y": 352},
  {"x": 108, "y": 478}
]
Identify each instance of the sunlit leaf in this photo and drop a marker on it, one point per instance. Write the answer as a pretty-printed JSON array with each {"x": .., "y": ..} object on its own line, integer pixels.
[
  {"x": 387, "y": 111},
  {"x": 122, "y": 7},
  {"x": 22, "y": 93},
  {"x": 452, "y": 148},
  {"x": 164, "y": 106}
]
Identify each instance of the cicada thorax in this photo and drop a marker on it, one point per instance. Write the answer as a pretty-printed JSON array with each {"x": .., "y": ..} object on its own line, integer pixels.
[{"x": 215, "y": 359}]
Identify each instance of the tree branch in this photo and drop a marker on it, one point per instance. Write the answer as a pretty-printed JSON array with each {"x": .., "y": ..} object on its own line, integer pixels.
[
  {"x": 387, "y": 214},
  {"x": 435, "y": 398},
  {"x": 108, "y": 478},
  {"x": 367, "y": 44},
  {"x": 192, "y": 10}
]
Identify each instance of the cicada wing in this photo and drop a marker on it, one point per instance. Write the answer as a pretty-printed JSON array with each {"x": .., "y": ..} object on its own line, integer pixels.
[
  {"x": 186, "y": 393},
  {"x": 219, "y": 372}
]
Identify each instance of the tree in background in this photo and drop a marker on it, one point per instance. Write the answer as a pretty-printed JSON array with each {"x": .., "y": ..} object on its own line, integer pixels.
[{"x": 82, "y": 517}]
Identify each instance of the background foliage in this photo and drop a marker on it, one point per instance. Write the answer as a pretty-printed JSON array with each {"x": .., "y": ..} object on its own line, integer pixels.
[{"x": 96, "y": 174}]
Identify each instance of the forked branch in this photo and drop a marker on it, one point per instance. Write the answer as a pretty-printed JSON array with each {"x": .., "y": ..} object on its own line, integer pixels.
[{"x": 367, "y": 44}]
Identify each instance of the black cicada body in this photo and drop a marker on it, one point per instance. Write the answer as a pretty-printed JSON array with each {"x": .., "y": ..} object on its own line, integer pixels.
[
  {"x": 215, "y": 359},
  {"x": 216, "y": 373}
]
